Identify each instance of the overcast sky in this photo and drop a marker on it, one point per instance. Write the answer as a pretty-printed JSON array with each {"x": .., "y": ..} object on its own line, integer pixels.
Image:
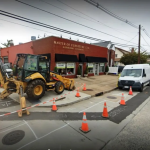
[{"x": 133, "y": 10}]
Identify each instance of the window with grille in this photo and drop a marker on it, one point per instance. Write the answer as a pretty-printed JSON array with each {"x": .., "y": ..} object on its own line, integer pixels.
[{"x": 5, "y": 60}]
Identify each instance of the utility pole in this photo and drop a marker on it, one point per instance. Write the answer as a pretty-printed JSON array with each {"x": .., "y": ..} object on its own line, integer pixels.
[{"x": 139, "y": 46}]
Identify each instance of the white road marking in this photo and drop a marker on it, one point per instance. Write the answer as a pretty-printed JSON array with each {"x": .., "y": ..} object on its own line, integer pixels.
[
  {"x": 43, "y": 136},
  {"x": 108, "y": 101},
  {"x": 31, "y": 129},
  {"x": 12, "y": 128},
  {"x": 97, "y": 104},
  {"x": 6, "y": 104}
]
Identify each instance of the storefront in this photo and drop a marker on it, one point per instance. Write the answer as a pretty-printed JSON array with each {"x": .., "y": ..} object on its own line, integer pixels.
[
  {"x": 66, "y": 64},
  {"x": 96, "y": 68},
  {"x": 67, "y": 55},
  {"x": 96, "y": 65}
]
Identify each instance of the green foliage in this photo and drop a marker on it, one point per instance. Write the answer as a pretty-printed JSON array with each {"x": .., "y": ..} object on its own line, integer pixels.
[
  {"x": 55, "y": 69},
  {"x": 79, "y": 70},
  {"x": 8, "y": 43},
  {"x": 106, "y": 68},
  {"x": 132, "y": 58},
  {"x": 86, "y": 70}
]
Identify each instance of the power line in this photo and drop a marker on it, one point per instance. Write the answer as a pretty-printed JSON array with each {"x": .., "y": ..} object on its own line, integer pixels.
[
  {"x": 111, "y": 13},
  {"x": 55, "y": 28},
  {"x": 97, "y": 21},
  {"x": 64, "y": 10},
  {"x": 145, "y": 40},
  {"x": 114, "y": 15},
  {"x": 71, "y": 21},
  {"x": 27, "y": 26},
  {"x": 146, "y": 33},
  {"x": 31, "y": 27},
  {"x": 132, "y": 39}
]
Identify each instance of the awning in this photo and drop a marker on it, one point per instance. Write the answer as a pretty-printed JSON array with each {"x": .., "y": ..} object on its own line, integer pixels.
[
  {"x": 96, "y": 59},
  {"x": 66, "y": 58},
  {"x": 82, "y": 58}
]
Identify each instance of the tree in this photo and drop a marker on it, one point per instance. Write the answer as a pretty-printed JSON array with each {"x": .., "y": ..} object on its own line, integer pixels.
[
  {"x": 8, "y": 43},
  {"x": 106, "y": 68},
  {"x": 55, "y": 69},
  {"x": 86, "y": 70},
  {"x": 79, "y": 70},
  {"x": 132, "y": 58}
]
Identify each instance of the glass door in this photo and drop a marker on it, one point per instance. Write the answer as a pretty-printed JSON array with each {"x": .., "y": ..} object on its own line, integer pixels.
[
  {"x": 96, "y": 69},
  {"x": 81, "y": 67}
]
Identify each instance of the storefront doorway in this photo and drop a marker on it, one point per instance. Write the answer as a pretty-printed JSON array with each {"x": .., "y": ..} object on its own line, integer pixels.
[
  {"x": 96, "y": 70},
  {"x": 81, "y": 67}
]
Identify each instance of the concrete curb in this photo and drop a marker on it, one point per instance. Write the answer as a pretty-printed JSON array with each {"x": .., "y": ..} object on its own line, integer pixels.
[
  {"x": 110, "y": 90},
  {"x": 85, "y": 98},
  {"x": 66, "y": 104},
  {"x": 104, "y": 92}
]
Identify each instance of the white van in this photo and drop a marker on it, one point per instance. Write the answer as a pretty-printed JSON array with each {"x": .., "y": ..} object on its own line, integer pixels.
[{"x": 137, "y": 76}]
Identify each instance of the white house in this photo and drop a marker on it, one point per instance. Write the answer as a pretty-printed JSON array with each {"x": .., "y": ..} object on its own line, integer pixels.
[{"x": 118, "y": 54}]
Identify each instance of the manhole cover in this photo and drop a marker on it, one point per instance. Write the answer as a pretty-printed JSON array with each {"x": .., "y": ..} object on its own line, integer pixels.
[
  {"x": 13, "y": 137},
  {"x": 89, "y": 90},
  {"x": 111, "y": 97}
]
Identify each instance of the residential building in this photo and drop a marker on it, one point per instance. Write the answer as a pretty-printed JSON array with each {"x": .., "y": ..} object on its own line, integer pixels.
[{"x": 118, "y": 54}]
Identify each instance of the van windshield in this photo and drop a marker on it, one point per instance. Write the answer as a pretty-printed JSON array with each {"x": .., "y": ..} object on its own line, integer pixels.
[{"x": 131, "y": 72}]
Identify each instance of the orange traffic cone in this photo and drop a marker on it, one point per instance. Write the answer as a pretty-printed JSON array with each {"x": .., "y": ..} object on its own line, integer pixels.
[
  {"x": 105, "y": 112},
  {"x": 84, "y": 128},
  {"x": 130, "y": 91},
  {"x": 78, "y": 94},
  {"x": 84, "y": 88},
  {"x": 122, "y": 102},
  {"x": 54, "y": 107}
]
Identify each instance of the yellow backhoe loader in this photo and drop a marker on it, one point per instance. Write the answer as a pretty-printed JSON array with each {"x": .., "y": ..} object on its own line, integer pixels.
[
  {"x": 32, "y": 76},
  {"x": 32, "y": 73}
]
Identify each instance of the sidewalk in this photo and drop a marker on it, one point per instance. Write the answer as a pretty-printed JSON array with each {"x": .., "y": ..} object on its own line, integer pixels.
[
  {"x": 98, "y": 84},
  {"x": 94, "y": 85},
  {"x": 136, "y": 135}
]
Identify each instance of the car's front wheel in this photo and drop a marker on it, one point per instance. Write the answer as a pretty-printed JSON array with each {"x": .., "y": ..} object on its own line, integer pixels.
[{"x": 141, "y": 88}]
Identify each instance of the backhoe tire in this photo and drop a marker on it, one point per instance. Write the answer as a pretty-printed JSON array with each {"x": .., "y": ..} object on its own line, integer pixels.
[
  {"x": 36, "y": 89},
  {"x": 59, "y": 87}
]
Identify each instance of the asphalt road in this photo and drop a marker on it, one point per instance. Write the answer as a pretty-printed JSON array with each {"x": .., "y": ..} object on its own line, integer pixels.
[{"x": 37, "y": 133}]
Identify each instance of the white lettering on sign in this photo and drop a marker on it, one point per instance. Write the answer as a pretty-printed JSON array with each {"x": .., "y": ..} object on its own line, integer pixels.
[
  {"x": 70, "y": 65},
  {"x": 67, "y": 45},
  {"x": 60, "y": 65}
]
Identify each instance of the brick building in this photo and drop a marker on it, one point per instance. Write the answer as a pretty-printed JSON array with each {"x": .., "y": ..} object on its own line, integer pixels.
[{"x": 66, "y": 54}]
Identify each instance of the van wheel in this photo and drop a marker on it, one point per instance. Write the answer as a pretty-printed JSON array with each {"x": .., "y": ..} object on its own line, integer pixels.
[{"x": 141, "y": 89}]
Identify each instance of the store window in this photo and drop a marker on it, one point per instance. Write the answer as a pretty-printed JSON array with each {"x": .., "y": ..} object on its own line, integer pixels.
[
  {"x": 66, "y": 68},
  {"x": 5, "y": 60},
  {"x": 90, "y": 67},
  {"x": 101, "y": 67}
]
